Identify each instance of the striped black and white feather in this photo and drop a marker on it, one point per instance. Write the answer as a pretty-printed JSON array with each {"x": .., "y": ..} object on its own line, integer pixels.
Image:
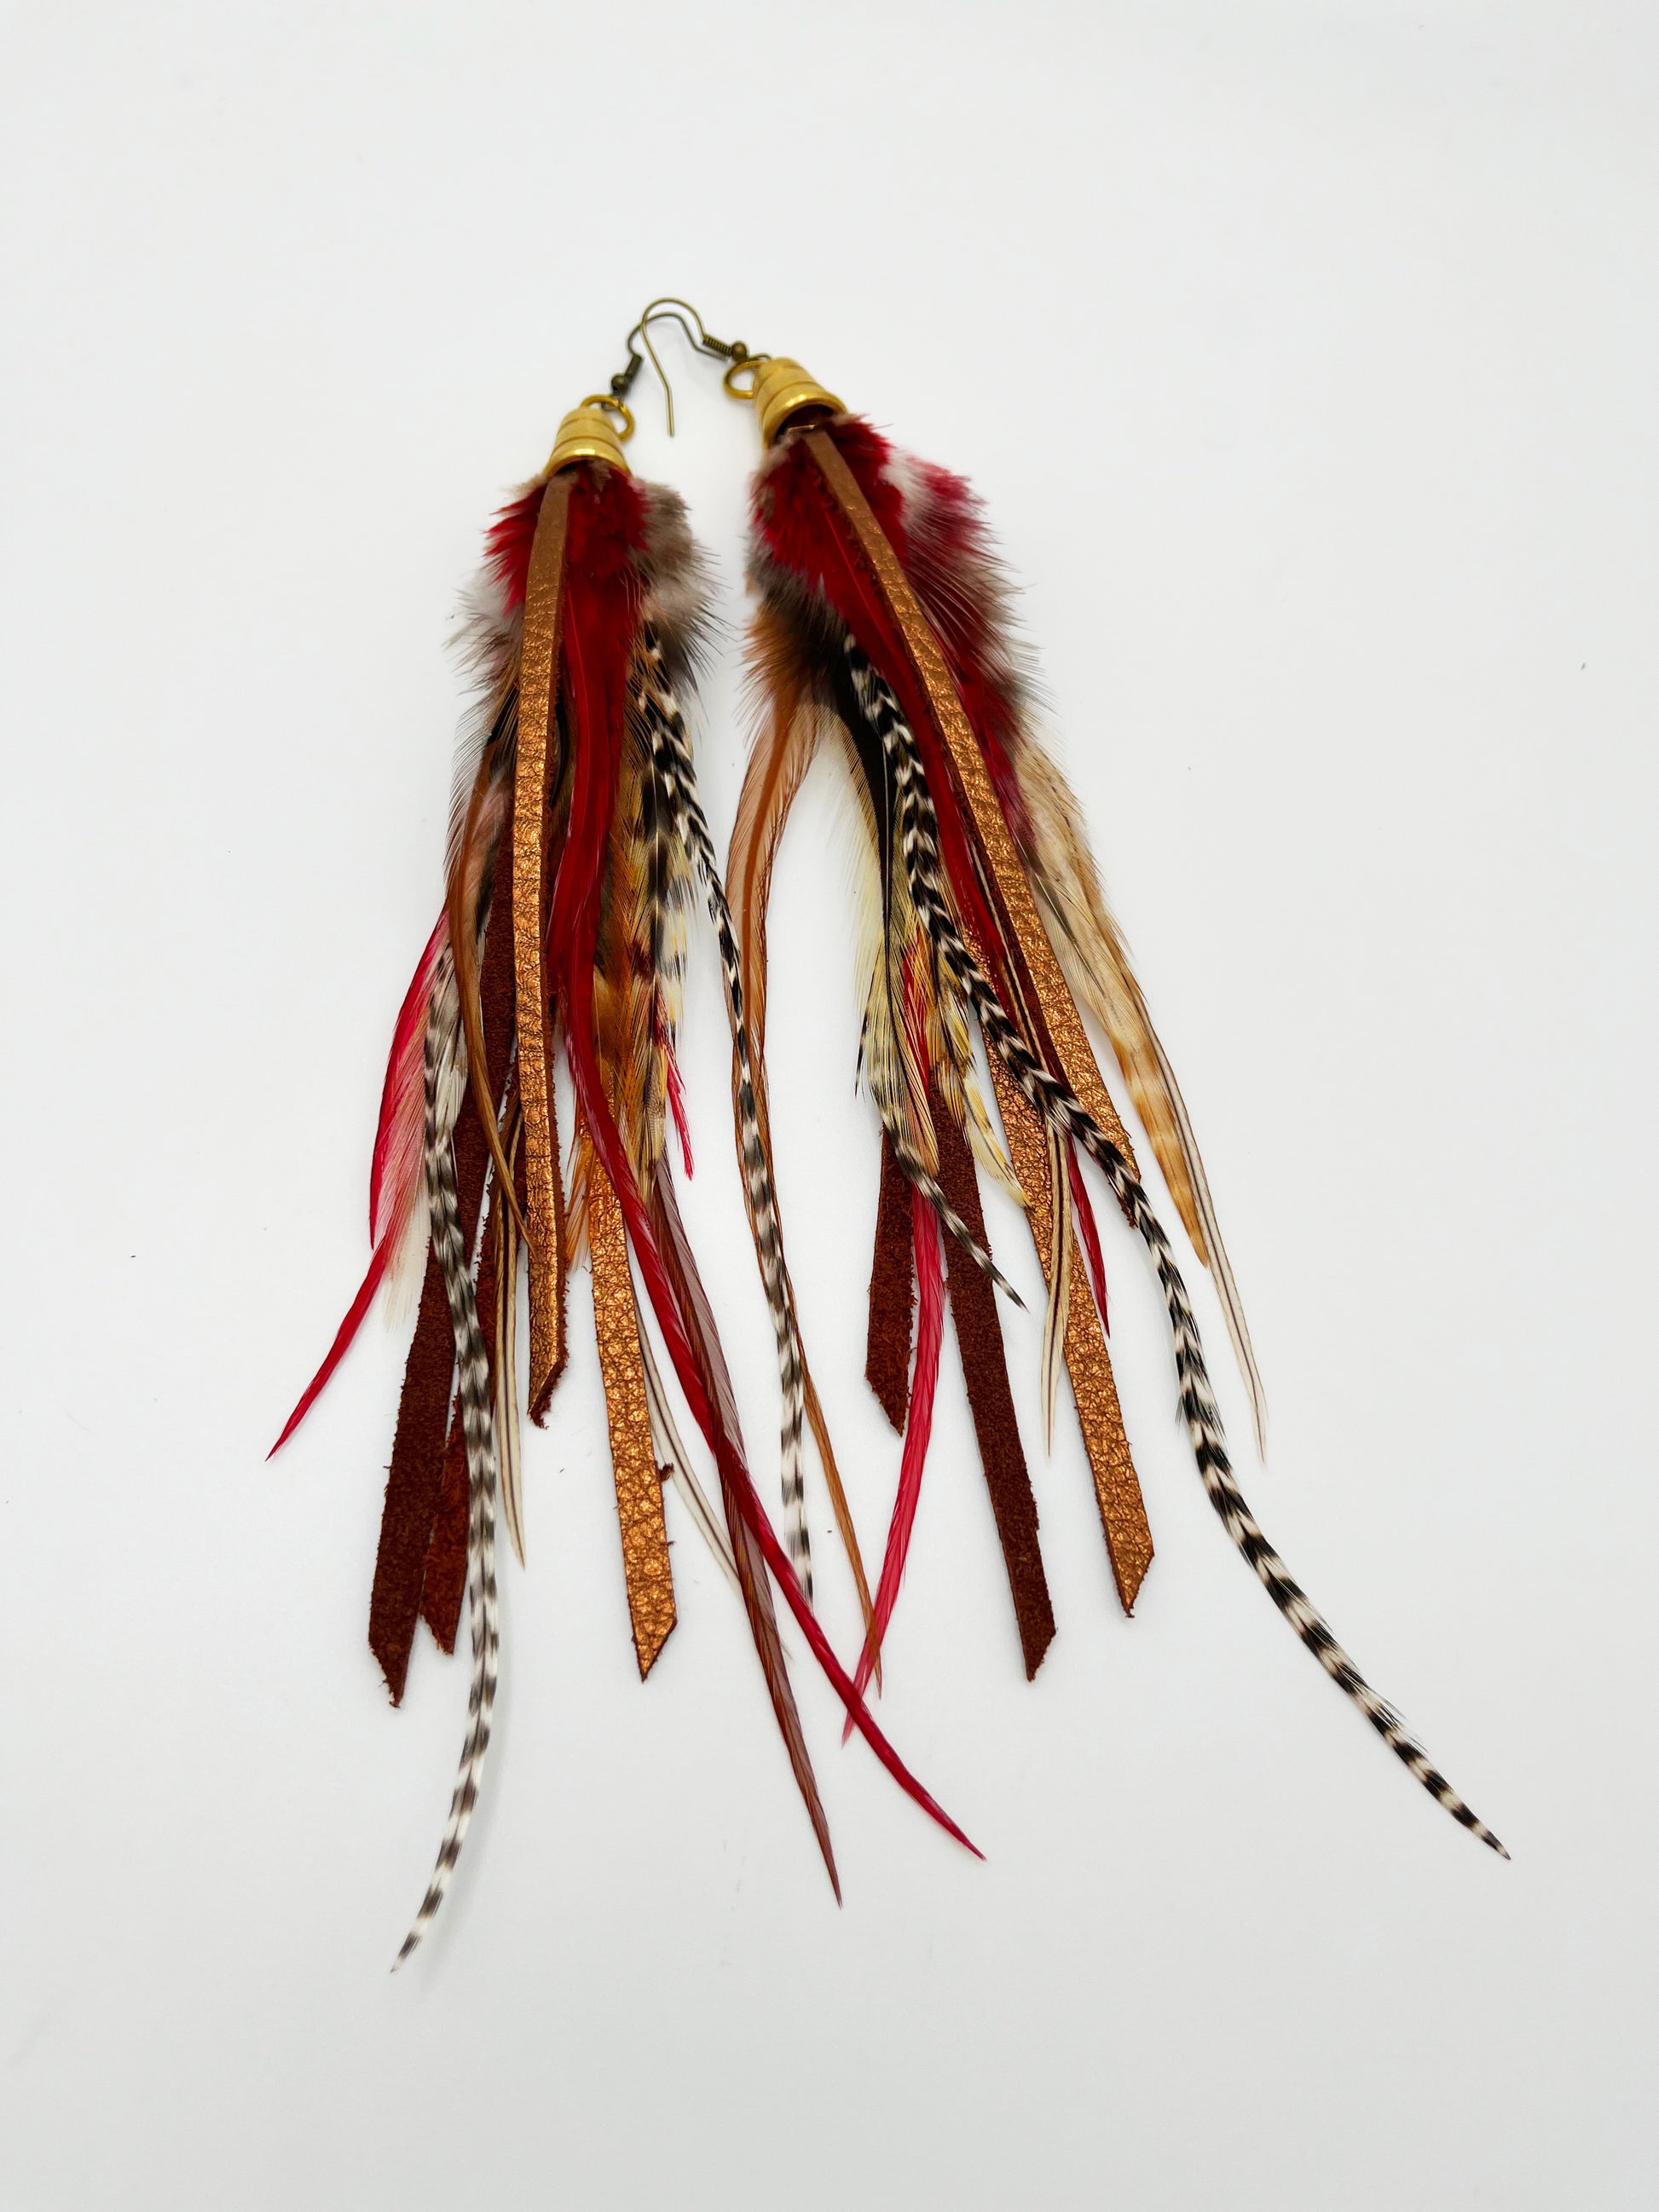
[
  {"x": 672, "y": 766},
  {"x": 918, "y": 844},
  {"x": 446, "y": 1080}
]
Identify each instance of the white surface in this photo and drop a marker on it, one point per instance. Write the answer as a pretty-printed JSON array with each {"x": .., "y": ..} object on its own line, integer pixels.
[{"x": 1305, "y": 356}]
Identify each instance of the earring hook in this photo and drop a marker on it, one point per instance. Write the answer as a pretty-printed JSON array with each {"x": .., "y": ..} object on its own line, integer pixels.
[{"x": 667, "y": 308}]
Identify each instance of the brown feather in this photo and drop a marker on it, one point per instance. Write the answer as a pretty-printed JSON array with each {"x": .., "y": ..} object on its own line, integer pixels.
[
  {"x": 790, "y": 728},
  {"x": 487, "y": 817}
]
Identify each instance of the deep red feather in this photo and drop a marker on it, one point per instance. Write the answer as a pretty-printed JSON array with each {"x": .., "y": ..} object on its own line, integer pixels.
[
  {"x": 507, "y": 544},
  {"x": 405, "y": 1073},
  {"x": 1090, "y": 1235},
  {"x": 804, "y": 529},
  {"x": 402, "y": 1097}
]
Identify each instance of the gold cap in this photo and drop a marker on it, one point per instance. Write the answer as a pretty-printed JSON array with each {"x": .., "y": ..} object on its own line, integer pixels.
[
  {"x": 781, "y": 390},
  {"x": 587, "y": 434}
]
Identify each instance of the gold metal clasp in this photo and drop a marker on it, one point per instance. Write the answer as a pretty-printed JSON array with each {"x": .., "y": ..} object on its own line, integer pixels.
[
  {"x": 587, "y": 434},
  {"x": 782, "y": 392}
]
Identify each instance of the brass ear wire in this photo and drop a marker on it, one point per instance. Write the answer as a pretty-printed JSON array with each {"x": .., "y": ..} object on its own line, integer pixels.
[{"x": 670, "y": 309}]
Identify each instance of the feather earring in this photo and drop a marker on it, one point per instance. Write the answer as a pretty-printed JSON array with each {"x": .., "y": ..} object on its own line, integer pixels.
[
  {"x": 577, "y": 844},
  {"x": 881, "y": 633}
]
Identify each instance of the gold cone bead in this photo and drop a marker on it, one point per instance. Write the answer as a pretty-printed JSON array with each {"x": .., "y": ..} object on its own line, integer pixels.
[
  {"x": 783, "y": 390},
  {"x": 586, "y": 434}
]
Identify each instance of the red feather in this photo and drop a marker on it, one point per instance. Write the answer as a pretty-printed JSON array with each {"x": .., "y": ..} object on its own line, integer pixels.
[
  {"x": 1086, "y": 1222},
  {"x": 676, "y": 1105},
  {"x": 405, "y": 1077},
  {"x": 507, "y": 544},
  {"x": 949, "y": 559},
  {"x": 402, "y": 1097},
  {"x": 805, "y": 531},
  {"x": 342, "y": 1344}
]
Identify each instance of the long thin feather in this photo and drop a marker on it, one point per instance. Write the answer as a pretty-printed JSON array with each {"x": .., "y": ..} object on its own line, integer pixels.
[
  {"x": 473, "y": 1364},
  {"x": 395, "y": 1174},
  {"x": 1097, "y": 967},
  {"x": 1059, "y": 1286},
  {"x": 670, "y": 759},
  {"x": 1062, "y": 1112},
  {"x": 671, "y": 1451}
]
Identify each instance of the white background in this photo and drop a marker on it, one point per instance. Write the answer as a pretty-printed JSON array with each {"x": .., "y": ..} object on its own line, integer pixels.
[{"x": 1305, "y": 356}]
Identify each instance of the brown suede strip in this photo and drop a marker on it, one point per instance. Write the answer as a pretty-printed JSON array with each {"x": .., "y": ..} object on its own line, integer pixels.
[
  {"x": 444, "y": 1586},
  {"x": 416, "y": 1481},
  {"x": 985, "y": 1369},
  {"x": 892, "y": 1294},
  {"x": 412, "y": 1485}
]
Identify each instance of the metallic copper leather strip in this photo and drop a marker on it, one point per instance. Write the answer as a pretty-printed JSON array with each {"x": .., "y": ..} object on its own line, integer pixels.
[
  {"x": 1117, "y": 1486},
  {"x": 1059, "y": 1010},
  {"x": 538, "y": 671},
  {"x": 632, "y": 1457}
]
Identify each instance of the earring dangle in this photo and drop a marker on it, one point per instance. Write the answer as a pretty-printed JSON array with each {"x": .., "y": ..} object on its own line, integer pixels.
[
  {"x": 575, "y": 842},
  {"x": 882, "y": 630}
]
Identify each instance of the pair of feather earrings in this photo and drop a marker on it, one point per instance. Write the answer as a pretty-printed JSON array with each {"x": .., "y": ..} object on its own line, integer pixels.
[{"x": 577, "y": 848}]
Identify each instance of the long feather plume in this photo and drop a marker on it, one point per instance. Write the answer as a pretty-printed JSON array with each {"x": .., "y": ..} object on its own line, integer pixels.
[
  {"x": 444, "y": 1072},
  {"x": 671, "y": 762},
  {"x": 918, "y": 843}
]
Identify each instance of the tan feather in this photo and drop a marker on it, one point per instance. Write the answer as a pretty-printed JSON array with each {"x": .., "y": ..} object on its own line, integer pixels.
[
  {"x": 790, "y": 727},
  {"x": 1096, "y": 963},
  {"x": 485, "y": 820}
]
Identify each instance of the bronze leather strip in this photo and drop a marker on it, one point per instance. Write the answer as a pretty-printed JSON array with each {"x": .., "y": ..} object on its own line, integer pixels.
[
  {"x": 892, "y": 1294},
  {"x": 1117, "y": 1486},
  {"x": 650, "y": 1578},
  {"x": 539, "y": 670},
  {"x": 416, "y": 1478},
  {"x": 985, "y": 1370},
  {"x": 1059, "y": 1010}
]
